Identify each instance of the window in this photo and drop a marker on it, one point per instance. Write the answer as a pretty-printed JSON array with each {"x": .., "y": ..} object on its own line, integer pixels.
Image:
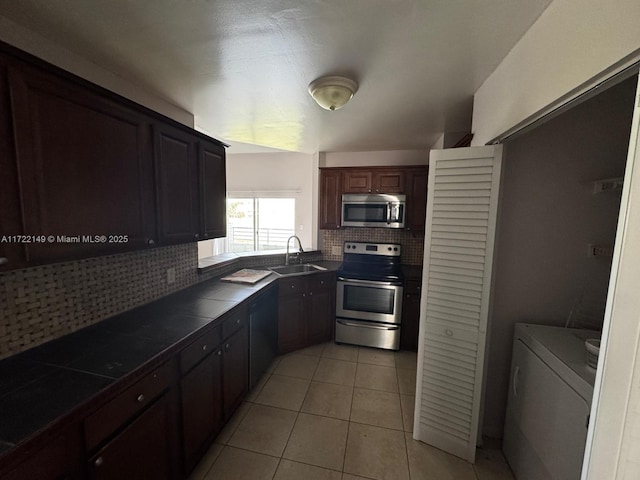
[{"x": 255, "y": 224}]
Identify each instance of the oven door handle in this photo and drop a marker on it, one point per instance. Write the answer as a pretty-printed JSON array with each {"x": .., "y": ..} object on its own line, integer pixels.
[
  {"x": 365, "y": 282},
  {"x": 364, "y": 325}
]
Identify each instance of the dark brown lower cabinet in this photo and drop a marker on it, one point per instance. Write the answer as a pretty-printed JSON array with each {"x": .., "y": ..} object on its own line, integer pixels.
[
  {"x": 306, "y": 311},
  {"x": 212, "y": 389},
  {"x": 141, "y": 451},
  {"x": 235, "y": 362},
  {"x": 60, "y": 459},
  {"x": 410, "y": 316},
  {"x": 202, "y": 412}
]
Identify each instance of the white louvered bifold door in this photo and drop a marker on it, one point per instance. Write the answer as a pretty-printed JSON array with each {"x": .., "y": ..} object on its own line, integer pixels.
[{"x": 461, "y": 219}]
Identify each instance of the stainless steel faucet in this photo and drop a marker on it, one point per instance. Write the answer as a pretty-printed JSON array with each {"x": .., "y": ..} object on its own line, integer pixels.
[{"x": 286, "y": 258}]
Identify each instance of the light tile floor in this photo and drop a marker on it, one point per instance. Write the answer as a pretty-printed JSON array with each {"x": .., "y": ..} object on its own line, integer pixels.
[{"x": 336, "y": 412}]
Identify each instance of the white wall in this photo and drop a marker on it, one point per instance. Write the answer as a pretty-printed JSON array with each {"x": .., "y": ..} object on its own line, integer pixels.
[
  {"x": 376, "y": 158},
  {"x": 35, "y": 44},
  {"x": 548, "y": 217},
  {"x": 572, "y": 42},
  {"x": 268, "y": 172}
]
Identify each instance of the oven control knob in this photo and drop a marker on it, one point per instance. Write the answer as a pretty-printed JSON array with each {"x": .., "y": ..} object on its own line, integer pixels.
[
  {"x": 395, "y": 249},
  {"x": 389, "y": 248}
]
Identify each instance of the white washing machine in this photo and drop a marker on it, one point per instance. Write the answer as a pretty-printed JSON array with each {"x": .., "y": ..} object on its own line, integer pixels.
[{"x": 549, "y": 402}]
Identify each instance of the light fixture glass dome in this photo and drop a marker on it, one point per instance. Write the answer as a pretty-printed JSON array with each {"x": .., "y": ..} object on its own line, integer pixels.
[{"x": 333, "y": 92}]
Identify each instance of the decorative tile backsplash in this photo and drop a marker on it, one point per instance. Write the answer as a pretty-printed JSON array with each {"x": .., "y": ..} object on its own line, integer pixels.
[
  {"x": 42, "y": 303},
  {"x": 412, "y": 243}
]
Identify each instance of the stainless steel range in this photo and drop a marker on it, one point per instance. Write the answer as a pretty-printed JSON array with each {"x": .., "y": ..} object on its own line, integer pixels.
[{"x": 369, "y": 295}]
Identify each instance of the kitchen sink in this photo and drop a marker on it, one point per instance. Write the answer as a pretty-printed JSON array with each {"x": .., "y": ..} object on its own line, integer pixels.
[{"x": 296, "y": 269}]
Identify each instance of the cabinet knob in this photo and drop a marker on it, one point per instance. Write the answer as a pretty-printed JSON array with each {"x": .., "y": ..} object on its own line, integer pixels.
[
  {"x": 238, "y": 321},
  {"x": 226, "y": 347},
  {"x": 140, "y": 398},
  {"x": 310, "y": 293},
  {"x": 448, "y": 332},
  {"x": 408, "y": 296},
  {"x": 196, "y": 236},
  {"x": 293, "y": 286},
  {"x": 98, "y": 461},
  {"x": 151, "y": 242},
  {"x": 219, "y": 352},
  {"x": 304, "y": 294},
  {"x": 204, "y": 347},
  {"x": 4, "y": 260}
]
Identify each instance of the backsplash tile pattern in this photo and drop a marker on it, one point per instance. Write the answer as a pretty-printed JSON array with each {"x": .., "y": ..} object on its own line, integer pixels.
[
  {"x": 43, "y": 303},
  {"x": 412, "y": 243}
]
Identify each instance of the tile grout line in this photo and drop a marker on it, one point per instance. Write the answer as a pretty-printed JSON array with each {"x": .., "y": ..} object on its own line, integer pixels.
[{"x": 404, "y": 434}]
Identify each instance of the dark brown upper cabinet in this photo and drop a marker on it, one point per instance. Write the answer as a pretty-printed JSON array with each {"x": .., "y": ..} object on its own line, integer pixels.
[
  {"x": 85, "y": 169},
  {"x": 87, "y": 172},
  {"x": 178, "y": 191},
  {"x": 410, "y": 180},
  {"x": 374, "y": 180},
  {"x": 416, "y": 198},
  {"x": 11, "y": 252},
  {"x": 213, "y": 189},
  {"x": 330, "y": 199}
]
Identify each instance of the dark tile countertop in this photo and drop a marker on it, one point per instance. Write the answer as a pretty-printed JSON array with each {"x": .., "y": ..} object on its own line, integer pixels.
[{"x": 43, "y": 384}]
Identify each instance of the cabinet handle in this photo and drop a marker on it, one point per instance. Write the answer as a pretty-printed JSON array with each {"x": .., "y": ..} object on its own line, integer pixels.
[
  {"x": 304, "y": 294},
  {"x": 310, "y": 293},
  {"x": 99, "y": 461},
  {"x": 293, "y": 286},
  {"x": 4, "y": 260},
  {"x": 140, "y": 398},
  {"x": 516, "y": 379},
  {"x": 204, "y": 347},
  {"x": 238, "y": 321},
  {"x": 219, "y": 352},
  {"x": 226, "y": 347},
  {"x": 151, "y": 242}
]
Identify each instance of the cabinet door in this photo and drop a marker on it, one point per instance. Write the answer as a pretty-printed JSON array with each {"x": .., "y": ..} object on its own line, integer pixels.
[
  {"x": 330, "y": 199},
  {"x": 410, "y": 316},
  {"x": 417, "y": 199},
  {"x": 321, "y": 307},
  {"x": 322, "y": 316},
  {"x": 213, "y": 189},
  {"x": 85, "y": 168},
  {"x": 389, "y": 181},
  {"x": 178, "y": 199},
  {"x": 11, "y": 253},
  {"x": 235, "y": 370},
  {"x": 201, "y": 391},
  {"x": 291, "y": 322},
  {"x": 358, "y": 181},
  {"x": 141, "y": 451}
]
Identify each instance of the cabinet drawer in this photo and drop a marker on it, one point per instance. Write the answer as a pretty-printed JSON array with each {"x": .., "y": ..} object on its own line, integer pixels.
[
  {"x": 234, "y": 322},
  {"x": 321, "y": 281},
  {"x": 199, "y": 349},
  {"x": 292, "y": 285},
  {"x": 113, "y": 415}
]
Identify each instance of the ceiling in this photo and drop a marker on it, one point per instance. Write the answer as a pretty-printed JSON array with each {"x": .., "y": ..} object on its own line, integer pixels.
[{"x": 242, "y": 67}]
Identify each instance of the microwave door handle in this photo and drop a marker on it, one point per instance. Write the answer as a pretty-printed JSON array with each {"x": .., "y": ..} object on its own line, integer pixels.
[{"x": 388, "y": 213}]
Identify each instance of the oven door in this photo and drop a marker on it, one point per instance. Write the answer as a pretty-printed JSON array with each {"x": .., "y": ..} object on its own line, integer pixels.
[{"x": 369, "y": 300}]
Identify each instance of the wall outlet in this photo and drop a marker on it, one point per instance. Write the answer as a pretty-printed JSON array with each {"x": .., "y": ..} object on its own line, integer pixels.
[
  {"x": 336, "y": 250},
  {"x": 171, "y": 275}
]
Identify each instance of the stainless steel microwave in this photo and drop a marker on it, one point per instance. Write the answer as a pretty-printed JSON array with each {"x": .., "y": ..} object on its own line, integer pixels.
[{"x": 380, "y": 210}]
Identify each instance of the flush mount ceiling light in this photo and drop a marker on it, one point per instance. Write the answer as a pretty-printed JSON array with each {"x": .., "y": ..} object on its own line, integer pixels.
[{"x": 333, "y": 92}]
